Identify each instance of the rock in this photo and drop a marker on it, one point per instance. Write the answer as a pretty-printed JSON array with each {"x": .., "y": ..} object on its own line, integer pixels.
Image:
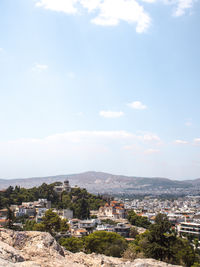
[
  {"x": 9, "y": 253},
  {"x": 151, "y": 263},
  {"x": 39, "y": 249}
]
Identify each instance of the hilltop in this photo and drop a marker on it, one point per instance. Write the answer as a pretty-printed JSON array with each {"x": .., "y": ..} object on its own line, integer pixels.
[{"x": 100, "y": 182}]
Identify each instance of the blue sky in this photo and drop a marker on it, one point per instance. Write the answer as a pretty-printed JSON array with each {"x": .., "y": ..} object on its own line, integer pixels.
[{"x": 105, "y": 85}]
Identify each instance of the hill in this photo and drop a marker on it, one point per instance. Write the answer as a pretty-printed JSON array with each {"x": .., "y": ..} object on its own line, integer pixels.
[{"x": 100, "y": 182}]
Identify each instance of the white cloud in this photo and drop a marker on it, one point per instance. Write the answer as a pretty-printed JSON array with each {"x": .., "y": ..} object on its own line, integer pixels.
[
  {"x": 182, "y": 6},
  {"x": 1, "y": 49},
  {"x": 112, "y": 12},
  {"x": 151, "y": 151},
  {"x": 149, "y": 1},
  {"x": 109, "y": 12},
  {"x": 66, "y": 6},
  {"x": 40, "y": 67},
  {"x": 181, "y": 142},
  {"x": 83, "y": 136},
  {"x": 148, "y": 137},
  {"x": 91, "y": 5},
  {"x": 137, "y": 105},
  {"x": 111, "y": 114}
]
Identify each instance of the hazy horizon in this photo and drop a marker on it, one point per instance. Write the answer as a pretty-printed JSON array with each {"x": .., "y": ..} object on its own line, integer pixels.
[{"x": 118, "y": 174}]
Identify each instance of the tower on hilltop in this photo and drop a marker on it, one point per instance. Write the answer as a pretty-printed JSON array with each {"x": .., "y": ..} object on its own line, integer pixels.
[{"x": 65, "y": 187}]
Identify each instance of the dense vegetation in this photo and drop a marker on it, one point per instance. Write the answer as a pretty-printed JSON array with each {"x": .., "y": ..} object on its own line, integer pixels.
[
  {"x": 78, "y": 200},
  {"x": 108, "y": 243},
  {"x": 161, "y": 243},
  {"x": 136, "y": 220}
]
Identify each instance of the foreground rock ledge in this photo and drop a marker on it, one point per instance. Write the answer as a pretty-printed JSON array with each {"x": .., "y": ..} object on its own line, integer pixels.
[{"x": 38, "y": 249}]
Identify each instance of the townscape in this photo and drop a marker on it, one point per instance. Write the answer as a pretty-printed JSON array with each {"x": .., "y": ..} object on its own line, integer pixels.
[{"x": 183, "y": 213}]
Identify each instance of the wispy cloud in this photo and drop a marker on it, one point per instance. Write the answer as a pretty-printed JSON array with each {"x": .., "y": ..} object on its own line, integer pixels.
[
  {"x": 61, "y": 152},
  {"x": 188, "y": 123},
  {"x": 180, "y": 142},
  {"x": 182, "y": 6},
  {"x": 197, "y": 141},
  {"x": 151, "y": 151},
  {"x": 111, "y": 114},
  {"x": 39, "y": 67},
  {"x": 83, "y": 136},
  {"x": 137, "y": 105}
]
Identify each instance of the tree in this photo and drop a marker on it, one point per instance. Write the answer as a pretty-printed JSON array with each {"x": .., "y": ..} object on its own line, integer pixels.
[
  {"x": 157, "y": 242},
  {"x": 132, "y": 252},
  {"x": 160, "y": 243},
  {"x": 73, "y": 244},
  {"x": 64, "y": 226},
  {"x": 10, "y": 218},
  {"x": 51, "y": 223},
  {"x": 136, "y": 220},
  {"x": 196, "y": 264},
  {"x": 29, "y": 225},
  {"x": 133, "y": 232},
  {"x": 183, "y": 252},
  {"x": 81, "y": 209},
  {"x": 108, "y": 243}
]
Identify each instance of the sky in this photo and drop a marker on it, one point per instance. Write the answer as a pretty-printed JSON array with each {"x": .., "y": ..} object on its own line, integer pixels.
[{"x": 102, "y": 85}]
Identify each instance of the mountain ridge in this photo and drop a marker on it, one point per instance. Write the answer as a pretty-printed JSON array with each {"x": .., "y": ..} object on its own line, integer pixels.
[{"x": 110, "y": 183}]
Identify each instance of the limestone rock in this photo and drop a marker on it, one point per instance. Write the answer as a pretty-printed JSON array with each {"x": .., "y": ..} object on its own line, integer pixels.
[{"x": 39, "y": 249}]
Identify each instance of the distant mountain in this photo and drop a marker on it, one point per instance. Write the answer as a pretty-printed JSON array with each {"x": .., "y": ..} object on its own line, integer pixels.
[{"x": 100, "y": 182}]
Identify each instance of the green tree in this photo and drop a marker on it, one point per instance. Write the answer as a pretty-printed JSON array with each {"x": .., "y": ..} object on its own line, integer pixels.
[
  {"x": 29, "y": 225},
  {"x": 157, "y": 242},
  {"x": 10, "y": 218},
  {"x": 81, "y": 209},
  {"x": 51, "y": 223},
  {"x": 108, "y": 243},
  {"x": 183, "y": 252},
  {"x": 196, "y": 264},
  {"x": 136, "y": 220},
  {"x": 133, "y": 232},
  {"x": 73, "y": 244}
]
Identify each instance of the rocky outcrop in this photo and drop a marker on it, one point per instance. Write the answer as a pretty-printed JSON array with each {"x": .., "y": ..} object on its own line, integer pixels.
[{"x": 38, "y": 249}]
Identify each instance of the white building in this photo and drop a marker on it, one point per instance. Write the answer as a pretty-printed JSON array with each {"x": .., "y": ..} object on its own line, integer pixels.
[
  {"x": 65, "y": 187},
  {"x": 65, "y": 214},
  {"x": 189, "y": 228}
]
